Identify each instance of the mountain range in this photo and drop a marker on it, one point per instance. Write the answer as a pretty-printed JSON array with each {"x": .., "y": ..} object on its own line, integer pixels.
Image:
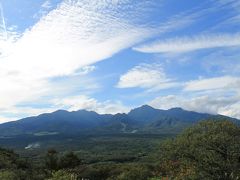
[{"x": 139, "y": 120}]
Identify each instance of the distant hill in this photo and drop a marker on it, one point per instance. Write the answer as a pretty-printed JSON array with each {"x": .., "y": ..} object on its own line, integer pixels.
[{"x": 142, "y": 119}]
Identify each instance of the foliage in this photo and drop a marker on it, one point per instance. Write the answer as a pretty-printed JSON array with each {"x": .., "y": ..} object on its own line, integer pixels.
[
  {"x": 61, "y": 175},
  {"x": 135, "y": 172},
  {"x": 13, "y": 167},
  {"x": 114, "y": 171},
  {"x": 209, "y": 150},
  {"x": 51, "y": 159},
  {"x": 8, "y": 175},
  {"x": 69, "y": 160}
]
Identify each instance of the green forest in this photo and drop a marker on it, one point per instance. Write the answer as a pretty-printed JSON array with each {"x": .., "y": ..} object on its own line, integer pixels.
[{"x": 207, "y": 150}]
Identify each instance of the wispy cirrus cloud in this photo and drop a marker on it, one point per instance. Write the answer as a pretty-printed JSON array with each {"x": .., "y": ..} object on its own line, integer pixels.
[
  {"x": 64, "y": 42},
  {"x": 65, "y": 39},
  {"x": 187, "y": 44},
  {"x": 216, "y": 83},
  {"x": 233, "y": 4},
  {"x": 46, "y": 4},
  {"x": 45, "y": 9},
  {"x": 223, "y": 61}
]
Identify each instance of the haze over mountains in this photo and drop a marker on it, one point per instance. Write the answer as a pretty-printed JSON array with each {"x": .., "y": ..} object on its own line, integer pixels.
[{"x": 139, "y": 120}]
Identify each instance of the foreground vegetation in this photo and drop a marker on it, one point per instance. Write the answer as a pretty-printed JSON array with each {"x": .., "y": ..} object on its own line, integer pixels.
[{"x": 208, "y": 150}]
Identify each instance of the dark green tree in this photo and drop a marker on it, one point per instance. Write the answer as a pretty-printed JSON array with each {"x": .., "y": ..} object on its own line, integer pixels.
[
  {"x": 69, "y": 160},
  {"x": 209, "y": 150},
  {"x": 51, "y": 159},
  {"x": 13, "y": 167}
]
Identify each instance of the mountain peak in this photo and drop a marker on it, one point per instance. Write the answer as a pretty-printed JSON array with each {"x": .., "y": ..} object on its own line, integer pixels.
[
  {"x": 143, "y": 108},
  {"x": 143, "y": 113},
  {"x": 176, "y": 109},
  {"x": 146, "y": 106},
  {"x": 60, "y": 111}
]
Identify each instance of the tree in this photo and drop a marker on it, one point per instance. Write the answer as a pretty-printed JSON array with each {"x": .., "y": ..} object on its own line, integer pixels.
[
  {"x": 51, "y": 159},
  {"x": 69, "y": 160},
  {"x": 209, "y": 150}
]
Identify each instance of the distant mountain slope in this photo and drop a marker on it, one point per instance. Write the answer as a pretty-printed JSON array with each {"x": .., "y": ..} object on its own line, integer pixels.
[
  {"x": 141, "y": 119},
  {"x": 147, "y": 113},
  {"x": 119, "y": 123},
  {"x": 59, "y": 121},
  {"x": 172, "y": 120}
]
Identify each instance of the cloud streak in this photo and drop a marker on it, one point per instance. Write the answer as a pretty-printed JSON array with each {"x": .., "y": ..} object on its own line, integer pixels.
[
  {"x": 188, "y": 44},
  {"x": 217, "y": 83},
  {"x": 3, "y": 24}
]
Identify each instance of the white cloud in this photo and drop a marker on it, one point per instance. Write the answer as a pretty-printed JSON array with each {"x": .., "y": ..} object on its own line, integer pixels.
[
  {"x": 75, "y": 103},
  {"x": 65, "y": 42},
  {"x": 44, "y": 10},
  {"x": 186, "y": 44},
  {"x": 224, "y": 61},
  {"x": 150, "y": 76},
  {"x": 4, "y": 119},
  {"x": 70, "y": 103},
  {"x": 112, "y": 107},
  {"x": 219, "y": 95},
  {"x": 85, "y": 70},
  {"x": 78, "y": 33},
  {"x": 214, "y": 104},
  {"x": 16, "y": 113},
  {"x": 46, "y": 4},
  {"x": 75, "y": 34},
  {"x": 224, "y": 82},
  {"x": 233, "y": 4}
]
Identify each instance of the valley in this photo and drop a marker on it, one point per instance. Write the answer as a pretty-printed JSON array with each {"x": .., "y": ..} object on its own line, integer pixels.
[{"x": 85, "y": 144}]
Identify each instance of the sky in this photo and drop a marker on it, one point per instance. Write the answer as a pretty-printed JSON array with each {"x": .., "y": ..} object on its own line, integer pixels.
[{"x": 110, "y": 56}]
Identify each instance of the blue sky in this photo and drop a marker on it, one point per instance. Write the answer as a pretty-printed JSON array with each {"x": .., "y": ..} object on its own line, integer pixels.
[{"x": 113, "y": 55}]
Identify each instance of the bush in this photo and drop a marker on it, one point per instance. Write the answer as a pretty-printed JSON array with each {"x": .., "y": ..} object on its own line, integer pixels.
[
  {"x": 62, "y": 175},
  {"x": 8, "y": 175},
  {"x": 69, "y": 160}
]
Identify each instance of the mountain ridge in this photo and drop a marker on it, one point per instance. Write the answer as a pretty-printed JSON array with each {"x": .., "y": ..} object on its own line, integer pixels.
[{"x": 141, "y": 119}]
